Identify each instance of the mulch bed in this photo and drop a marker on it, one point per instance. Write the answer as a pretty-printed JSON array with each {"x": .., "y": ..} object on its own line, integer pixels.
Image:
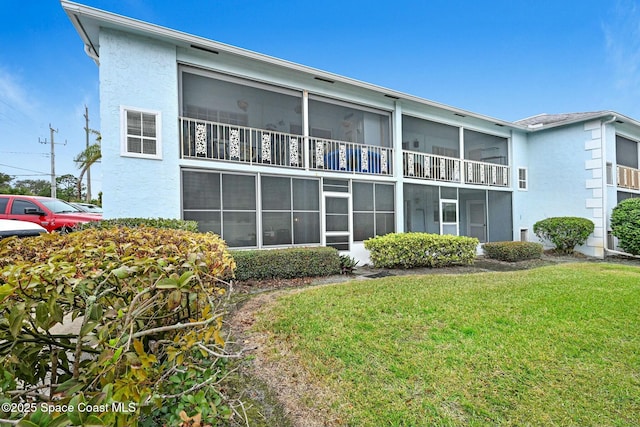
[{"x": 480, "y": 265}]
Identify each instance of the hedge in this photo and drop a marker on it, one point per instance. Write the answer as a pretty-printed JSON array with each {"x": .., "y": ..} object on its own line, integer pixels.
[
  {"x": 565, "y": 232},
  {"x": 170, "y": 223},
  {"x": 512, "y": 251},
  {"x": 286, "y": 263},
  {"x": 150, "y": 306},
  {"x": 410, "y": 250}
]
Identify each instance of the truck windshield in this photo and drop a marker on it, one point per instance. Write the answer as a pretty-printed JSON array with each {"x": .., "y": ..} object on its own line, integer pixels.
[{"x": 58, "y": 206}]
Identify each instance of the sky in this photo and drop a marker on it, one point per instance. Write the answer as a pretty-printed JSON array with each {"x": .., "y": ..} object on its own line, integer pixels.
[{"x": 507, "y": 59}]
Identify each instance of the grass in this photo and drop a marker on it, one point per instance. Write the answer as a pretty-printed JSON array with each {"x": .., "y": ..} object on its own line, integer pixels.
[{"x": 551, "y": 346}]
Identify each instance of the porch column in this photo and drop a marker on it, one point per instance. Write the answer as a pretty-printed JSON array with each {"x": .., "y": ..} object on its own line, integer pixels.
[
  {"x": 305, "y": 129},
  {"x": 398, "y": 167}
]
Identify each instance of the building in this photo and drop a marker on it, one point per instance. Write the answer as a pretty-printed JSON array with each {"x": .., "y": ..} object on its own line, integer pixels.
[{"x": 269, "y": 153}]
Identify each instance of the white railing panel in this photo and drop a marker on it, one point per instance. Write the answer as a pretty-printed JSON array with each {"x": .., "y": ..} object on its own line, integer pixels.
[
  {"x": 448, "y": 169},
  {"x": 201, "y": 139},
  {"x": 431, "y": 166},
  {"x": 482, "y": 173},
  {"x": 341, "y": 156}
]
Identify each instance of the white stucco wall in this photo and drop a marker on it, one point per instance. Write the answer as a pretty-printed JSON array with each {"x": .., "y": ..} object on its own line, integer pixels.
[
  {"x": 519, "y": 159},
  {"x": 138, "y": 72},
  {"x": 565, "y": 179}
]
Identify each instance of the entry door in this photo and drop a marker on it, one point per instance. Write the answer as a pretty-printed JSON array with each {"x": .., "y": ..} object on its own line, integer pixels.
[
  {"x": 337, "y": 221},
  {"x": 449, "y": 217},
  {"x": 477, "y": 219}
]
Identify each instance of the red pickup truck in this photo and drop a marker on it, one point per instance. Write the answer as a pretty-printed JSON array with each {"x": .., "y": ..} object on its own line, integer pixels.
[{"x": 52, "y": 214}]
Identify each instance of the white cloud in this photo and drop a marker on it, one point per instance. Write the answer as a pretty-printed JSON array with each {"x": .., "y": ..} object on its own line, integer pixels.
[
  {"x": 16, "y": 105},
  {"x": 622, "y": 37}
]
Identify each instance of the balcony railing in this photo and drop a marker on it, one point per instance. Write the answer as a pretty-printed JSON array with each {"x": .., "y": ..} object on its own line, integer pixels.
[
  {"x": 201, "y": 139},
  {"x": 628, "y": 177},
  {"x": 350, "y": 157},
  {"x": 449, "y": 169},
  {"x": 217, "y": 141}
]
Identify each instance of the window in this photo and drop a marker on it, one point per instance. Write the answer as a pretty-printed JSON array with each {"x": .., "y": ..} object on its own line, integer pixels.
[
  {"x": 141, "y": 133},
  {"x": 221, "y": 203},
  {"x": 426, "y": 136},
  {"x": 482, "y": 147},
  {"x": 333, "y": 119},
  {"x": 373, "y": 210},
  {"x": 522, "y": 179},
  {"x": 225, "y": 99},
  {"x": 609, "y": 173},
  {"x": 290, "y": 211},
  {"x": 4, "y": 201},
  {"x": 626, "y": 152},
  {"x": 19, "y": 207}
]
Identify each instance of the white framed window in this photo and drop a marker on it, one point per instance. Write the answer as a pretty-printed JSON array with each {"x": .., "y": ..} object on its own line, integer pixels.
[
  {"x": 609, "y": 173},
  {"x": 140, "y": 133},
  {"x": 522, "y": 179}
]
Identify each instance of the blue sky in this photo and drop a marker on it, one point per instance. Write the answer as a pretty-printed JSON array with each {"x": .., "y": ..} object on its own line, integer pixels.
[{"x": 507, "y": 59}]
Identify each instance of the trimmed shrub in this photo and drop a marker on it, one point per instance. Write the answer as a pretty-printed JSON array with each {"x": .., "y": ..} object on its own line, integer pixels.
[
  {"x": 410, "y": 250},
  {"x": 512, "y": 251},
  {"x": 286, "y": 263},
  {"x": 625, "y": 225},
  {"x": 565, "y": 232},
  {"x": 171, "y": 223},
  {"x": 150, "y": 307}
]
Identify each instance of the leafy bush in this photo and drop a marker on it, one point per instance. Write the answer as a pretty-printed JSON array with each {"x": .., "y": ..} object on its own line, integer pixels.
[
  {"x": 409, "y": 250},
  {"x": 565, "y": 232},
  {"x": 347, "y": 264},
  {"x": 512, "y": 251},
  {"x": 171, "y": 223},
  {"x": 625, "y": 225},
  {"x": 286, "y": 263},
  {"x": 150, "y": 308}
]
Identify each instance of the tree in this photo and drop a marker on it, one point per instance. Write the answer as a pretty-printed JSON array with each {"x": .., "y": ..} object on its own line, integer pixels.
[
  {"x": 66, "y": 187},
  {"x": 34, "y": 187},
  {"x": 86, "y": 159},
  {"x": 5, "y": 182}
]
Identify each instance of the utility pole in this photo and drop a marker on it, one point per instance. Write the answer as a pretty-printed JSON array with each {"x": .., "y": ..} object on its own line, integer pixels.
[
  {"x": 53, "y": 159},
  {"x": 87, "y": 131}
]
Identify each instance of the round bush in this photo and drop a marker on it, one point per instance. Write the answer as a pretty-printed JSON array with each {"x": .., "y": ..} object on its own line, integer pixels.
[
  {"x": 565, "y": 232},
  {"x": 625, "y": 225}
]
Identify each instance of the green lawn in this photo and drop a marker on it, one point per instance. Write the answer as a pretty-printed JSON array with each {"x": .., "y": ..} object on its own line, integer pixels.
[{"x": 551, "y": 346}]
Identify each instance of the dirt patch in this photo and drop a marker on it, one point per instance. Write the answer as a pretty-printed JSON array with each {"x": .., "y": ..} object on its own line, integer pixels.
[{"x": 274, "y": 364}]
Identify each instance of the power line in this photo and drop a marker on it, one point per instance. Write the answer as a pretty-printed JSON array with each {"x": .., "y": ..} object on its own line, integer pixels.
[
  {"x": 24, "y": 152},
  {"x": 23, "y": 169}
]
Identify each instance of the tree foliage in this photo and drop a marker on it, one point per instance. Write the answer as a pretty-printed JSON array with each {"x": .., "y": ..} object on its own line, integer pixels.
[
  {"x": 66, "y": 187},
  {"x": 149, "y": 306},
  {"x": 34, "y": 187},
  {"x": 87, "y": 158}
]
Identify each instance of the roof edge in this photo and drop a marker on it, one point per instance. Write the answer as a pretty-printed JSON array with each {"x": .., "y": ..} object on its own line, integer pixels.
[{"x": 76, "y": 11}]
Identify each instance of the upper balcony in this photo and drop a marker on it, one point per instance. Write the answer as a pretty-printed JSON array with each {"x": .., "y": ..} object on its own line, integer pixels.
[
  {"x": 449, "y": 169},
  {"x": 628, "y": 178},
  {"x": 207, "y": 140}
]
